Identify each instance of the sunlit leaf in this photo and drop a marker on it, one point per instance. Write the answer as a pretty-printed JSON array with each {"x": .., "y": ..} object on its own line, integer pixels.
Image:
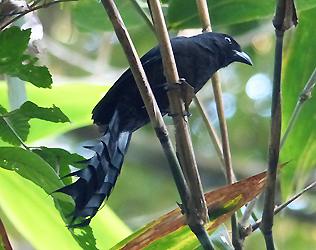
[
  {"x": 37, "y": 75},
  {"x": 33, "y": 213},
  {"x": 54, "y": 114},
  {"x": 171, "y": 230},
  {"x": 32, "y": 167},
  {"x": 15, "y": 123}
]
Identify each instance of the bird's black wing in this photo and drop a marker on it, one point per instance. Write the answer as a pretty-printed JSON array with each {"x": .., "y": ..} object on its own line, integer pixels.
[{"x": 104, "y": 110}]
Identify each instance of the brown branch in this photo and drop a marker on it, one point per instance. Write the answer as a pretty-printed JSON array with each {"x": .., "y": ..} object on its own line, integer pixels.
[
  {"x": 45, "y": 5},
  {"x": 206, "y": 25},
  {"x": 147, "y": 96},
  {"x": 285, "y": 17},
  {"x": 226, "y": 156},
  {"x": 204, "y": 15},
  {"x": 196, "y": 206}
]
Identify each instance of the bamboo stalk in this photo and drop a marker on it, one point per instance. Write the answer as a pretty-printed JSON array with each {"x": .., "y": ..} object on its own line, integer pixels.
[{"x": 196, "y": 205}]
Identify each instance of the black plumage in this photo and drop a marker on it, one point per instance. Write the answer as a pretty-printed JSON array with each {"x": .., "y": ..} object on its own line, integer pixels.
[{"x": 121, "y": 111}]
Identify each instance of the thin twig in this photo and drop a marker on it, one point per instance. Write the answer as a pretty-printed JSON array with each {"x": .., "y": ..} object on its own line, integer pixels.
[
  {"x": 211, "y": 131},
  {"x": 230, "y": 177},
  {"x": 305, "y": 95},
  {"x": 45, "y": 5},
  {"x": 223, "y": 127},
  {"x": 279, "y": 208}
]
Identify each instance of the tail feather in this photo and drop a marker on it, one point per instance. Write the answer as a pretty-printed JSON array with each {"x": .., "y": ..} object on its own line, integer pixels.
[{"x": 97, "y": 180}]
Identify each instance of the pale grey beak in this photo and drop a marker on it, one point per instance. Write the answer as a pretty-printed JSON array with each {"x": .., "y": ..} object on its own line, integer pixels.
[{"x": 242, "y": 57}]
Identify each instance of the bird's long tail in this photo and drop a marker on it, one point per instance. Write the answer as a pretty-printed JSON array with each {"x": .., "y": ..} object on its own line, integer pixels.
[{"x": 97, "y": 180}]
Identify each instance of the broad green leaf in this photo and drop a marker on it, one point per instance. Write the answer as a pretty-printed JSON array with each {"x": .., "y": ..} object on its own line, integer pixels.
[
  {"x": 16, "y": 122},
  {"x": 12, "y": 67},
  {"x": 32, "y": 167},
  {"x": 13, "y": 121},
  {"x": 182, "y": 14},
  {"x": 299, "y": 63},
  {"x": 171, "y": 232},
  {"x": 37, "y": 75},
  {"x": 33, "y": 213},
  {"x": 19, "y": 197},
  {"x": 13, "y": 43},
  {"x": 13, "y": 61},
  {"x": 90, "y": 15},
  {"x": 54, "y": 114}
]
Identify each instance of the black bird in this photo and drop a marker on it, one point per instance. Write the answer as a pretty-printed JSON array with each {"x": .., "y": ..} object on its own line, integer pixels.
[{"x": 121, "y": 111}]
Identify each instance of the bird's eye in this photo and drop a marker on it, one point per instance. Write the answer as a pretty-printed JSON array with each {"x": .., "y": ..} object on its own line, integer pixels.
[{"x": 228, "y": 40}]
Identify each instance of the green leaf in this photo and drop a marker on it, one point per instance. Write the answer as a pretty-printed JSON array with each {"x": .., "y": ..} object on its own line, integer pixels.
[
  {"x": 60, "y": 160},
  {"x": 13, "y": 120},
  {"x": 171, "y": 232},
  {"x": 183, "y": 14},
  {"x": 3, "y": 110},
  {"x": 33, "y": 214},
  {"x": 13, "y": 61},
  {"x": 13, "y": 43},
  {"x": 37, "y": 75},
  {"x": 19, "y": 197},
  {"x": 90, "y": 15},
  {"x": 54, "y": 114},
  {"x": 300, "y": 146},
  {"x": 18, "y": 121},
  {"x": 32, "y": 167}
]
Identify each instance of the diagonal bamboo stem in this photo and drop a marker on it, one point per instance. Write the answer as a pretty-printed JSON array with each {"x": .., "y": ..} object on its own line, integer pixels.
[
  {"x": 196, "y": 206},
  {"x": 225, "y": 155},
  {"x": 147, "y": 95}
]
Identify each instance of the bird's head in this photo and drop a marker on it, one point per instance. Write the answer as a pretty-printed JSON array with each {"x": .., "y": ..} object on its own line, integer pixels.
[{"x": 231, "y": 50}]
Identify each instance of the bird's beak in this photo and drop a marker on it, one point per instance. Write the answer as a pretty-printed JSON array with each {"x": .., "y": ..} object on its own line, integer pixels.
[{"x": 242, "y": 57}]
